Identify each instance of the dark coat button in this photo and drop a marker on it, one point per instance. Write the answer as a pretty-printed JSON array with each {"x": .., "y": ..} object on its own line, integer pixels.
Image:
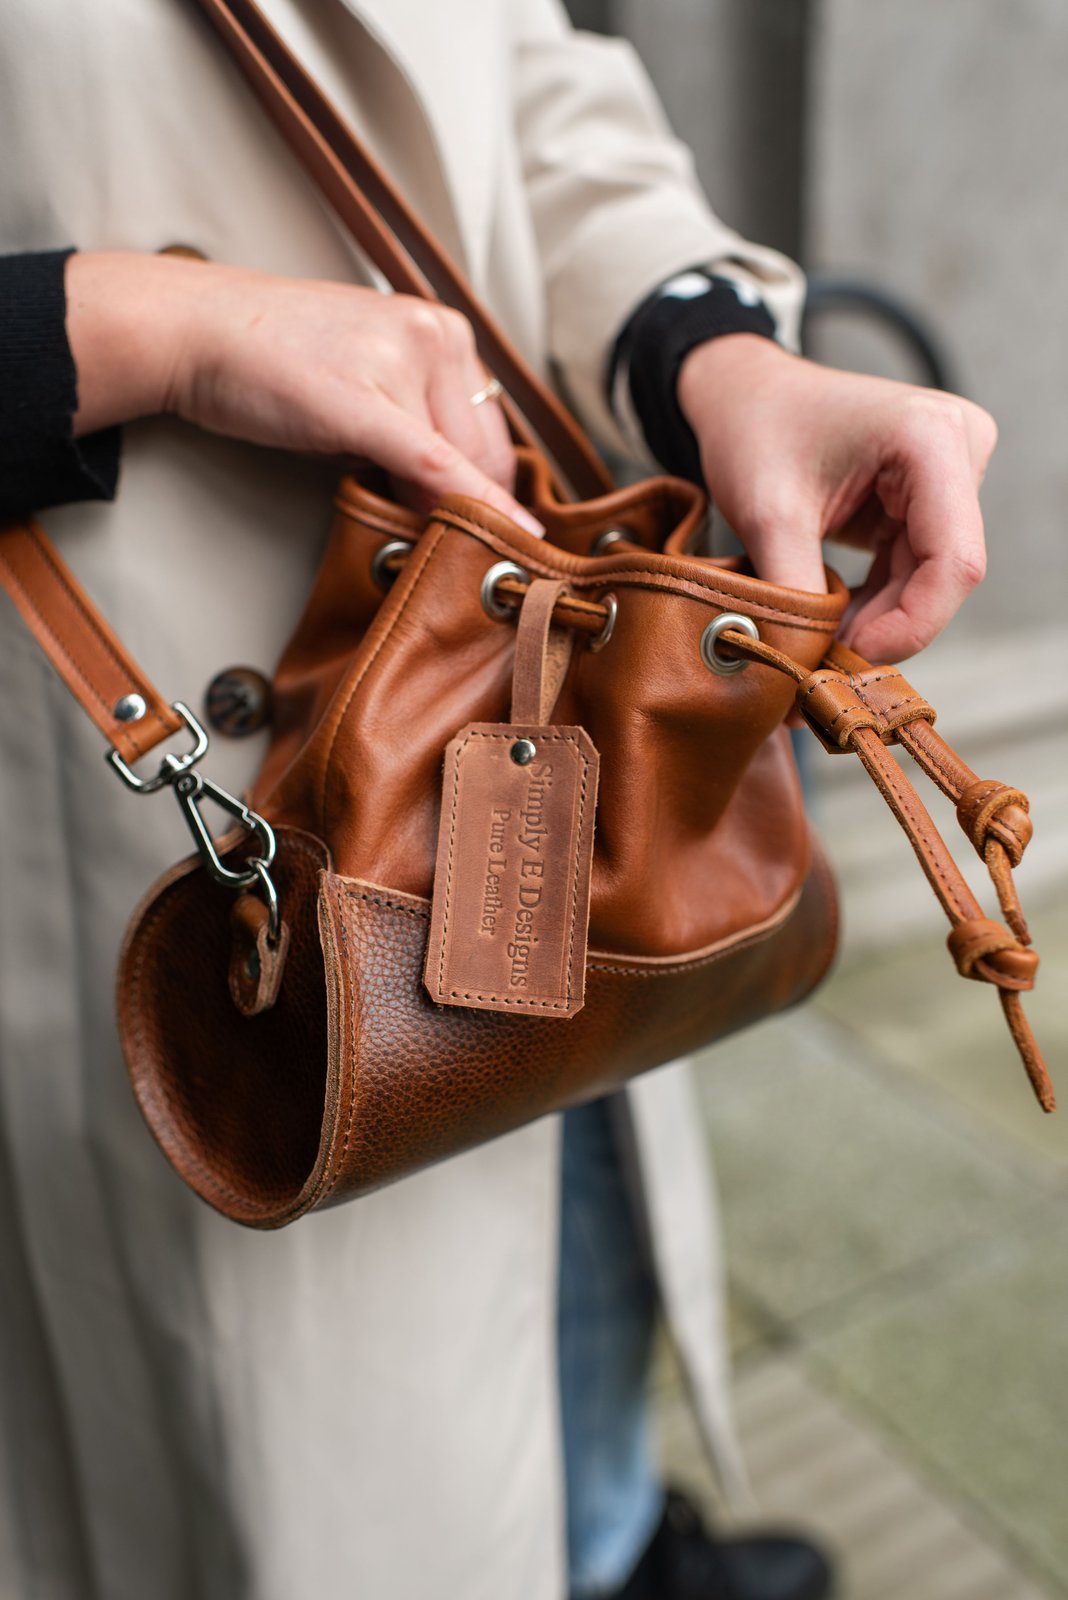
[{"x": 238, "y": 702}]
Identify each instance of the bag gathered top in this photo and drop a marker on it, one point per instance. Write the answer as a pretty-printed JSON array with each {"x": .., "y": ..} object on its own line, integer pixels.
[{"x": 529, "y": 823}]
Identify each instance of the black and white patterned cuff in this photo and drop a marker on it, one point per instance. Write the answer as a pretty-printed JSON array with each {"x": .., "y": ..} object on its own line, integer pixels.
[{"x": 642, "y": 381}]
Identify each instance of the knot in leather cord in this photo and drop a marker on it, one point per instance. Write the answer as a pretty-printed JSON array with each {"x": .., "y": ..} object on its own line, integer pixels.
[
  {"x": 989, "y": 809},
  {"x": 989, "y": 952}
]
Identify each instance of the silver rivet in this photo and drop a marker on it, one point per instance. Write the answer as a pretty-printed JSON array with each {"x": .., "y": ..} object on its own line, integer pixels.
[
  {"x": 131, "y": 708},
  {"x": 711, "y": 657},
  {"x": 523, "y": 752}
]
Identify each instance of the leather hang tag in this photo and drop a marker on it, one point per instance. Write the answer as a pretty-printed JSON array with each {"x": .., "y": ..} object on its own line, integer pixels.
[{"x": 511, "y": 906}]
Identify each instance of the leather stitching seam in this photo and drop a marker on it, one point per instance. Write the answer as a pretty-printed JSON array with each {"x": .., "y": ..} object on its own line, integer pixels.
[
  {"x": 860, "y": 685},
  {"x": 340, "y": 1160},
  {"x": 896, "y": 785},
  {"x": 621, "y": 967},
  {"x": 355, "y": 683},
  {"x": 41, "y": 550},
  {"x": 743, "y": 943},
  {"x": 653, "y": 580},
  {"x": 952, "y": 787}
]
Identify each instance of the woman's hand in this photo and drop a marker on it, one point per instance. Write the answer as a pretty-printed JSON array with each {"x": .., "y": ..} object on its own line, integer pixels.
[
  {"x": 795, "y": 453},
  {"x": 298, "y": 365}
]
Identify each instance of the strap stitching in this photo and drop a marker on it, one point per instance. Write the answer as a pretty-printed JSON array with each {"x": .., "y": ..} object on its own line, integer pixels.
[
  {"x": 62, "y": 649},
  {"x": 898, "y": 785}
]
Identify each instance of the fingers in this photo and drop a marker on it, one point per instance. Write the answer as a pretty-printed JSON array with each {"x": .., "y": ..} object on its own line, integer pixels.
[
  {"x": 479, "y": 432},
  {"x": 794, "y": 453},
  {"x": 790, "y": 555},
  {"x": 782, "y": 534},
  {"x": 426, "y": 432},
  {"x": 879, "y": 594},
  {"x": 412, "y": 449},
  {"x": 939, "y": 556}
]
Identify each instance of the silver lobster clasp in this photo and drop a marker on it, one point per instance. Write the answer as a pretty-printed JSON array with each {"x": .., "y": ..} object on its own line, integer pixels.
[{"x": 191, "y": 788}]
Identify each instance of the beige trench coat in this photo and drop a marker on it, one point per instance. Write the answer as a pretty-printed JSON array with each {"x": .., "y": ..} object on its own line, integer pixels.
[{"x": 365, "y": 1404}]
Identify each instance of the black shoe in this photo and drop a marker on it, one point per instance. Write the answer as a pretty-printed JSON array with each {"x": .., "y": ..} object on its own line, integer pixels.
[{"x": 684, "y": 1562}]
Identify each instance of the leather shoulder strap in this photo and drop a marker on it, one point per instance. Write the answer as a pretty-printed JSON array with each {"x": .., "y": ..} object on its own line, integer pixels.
[
  {"x": 78, "y": 642},
  {"x": 387, "y": 230},
  {"x": 61, "y": 617}
]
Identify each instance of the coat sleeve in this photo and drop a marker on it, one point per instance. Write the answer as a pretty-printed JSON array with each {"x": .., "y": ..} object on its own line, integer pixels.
[
  {"x": 41, "y": 462},
  {"x": 615, "y": 204}
]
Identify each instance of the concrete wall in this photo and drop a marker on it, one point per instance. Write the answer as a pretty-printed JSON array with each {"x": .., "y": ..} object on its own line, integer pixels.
[
  {"x": 731, "y": 73},
  {"x": 921, "y": 146},
  {"x": 939, "y": 136},
  {"x": 937, "y": 140}
]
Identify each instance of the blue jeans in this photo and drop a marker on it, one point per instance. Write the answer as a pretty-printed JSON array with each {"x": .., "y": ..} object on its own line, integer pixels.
[{"x": 607, "y": 1314}]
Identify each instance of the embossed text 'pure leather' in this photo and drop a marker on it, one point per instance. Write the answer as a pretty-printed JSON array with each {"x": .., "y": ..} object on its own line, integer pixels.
[{"x": 512, "y": 880}]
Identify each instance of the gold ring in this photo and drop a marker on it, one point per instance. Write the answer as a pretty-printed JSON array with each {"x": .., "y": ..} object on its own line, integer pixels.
[{"x": 489, "y": 391}]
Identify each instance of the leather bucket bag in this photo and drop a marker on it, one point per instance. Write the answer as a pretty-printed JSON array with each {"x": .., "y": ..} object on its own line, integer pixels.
[{"x": 529, "y": 823}]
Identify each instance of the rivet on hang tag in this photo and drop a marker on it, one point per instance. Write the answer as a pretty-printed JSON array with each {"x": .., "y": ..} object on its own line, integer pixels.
[
  {"x": 523, "y": 752},
  {"x": 131, "y": 708}
]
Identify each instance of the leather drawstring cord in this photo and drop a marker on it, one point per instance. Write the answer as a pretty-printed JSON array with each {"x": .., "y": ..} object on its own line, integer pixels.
[{"x": 851, "y": 706}]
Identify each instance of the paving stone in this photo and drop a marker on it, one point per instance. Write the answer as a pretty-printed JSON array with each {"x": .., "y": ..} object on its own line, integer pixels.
[
  {"x": 897, "y": 1227},
  {"x": 838, "y": 1174},
  {"x": 970, "y": 1375},
  {"x": 950, "y": 1034},
  {"x": 749, "y": 1327},
  {"x": 893, "y": 1534}
]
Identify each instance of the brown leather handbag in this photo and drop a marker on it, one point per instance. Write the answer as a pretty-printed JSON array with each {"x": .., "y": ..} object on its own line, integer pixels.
[{"x": 529, "y": 823}]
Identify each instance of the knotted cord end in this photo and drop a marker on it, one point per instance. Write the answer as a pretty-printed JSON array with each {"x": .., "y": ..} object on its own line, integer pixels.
[
  {"x": 851, "y": 706},
  {"x": 985, "y": 950},
  {"x": 989, "y": 952},
  {"x": 991, "y": 810}
]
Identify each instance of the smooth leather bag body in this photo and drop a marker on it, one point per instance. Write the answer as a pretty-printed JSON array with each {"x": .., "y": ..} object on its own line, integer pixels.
[
  {"x": 352, "y": 986},
  {"x": 711, "y": 903}
]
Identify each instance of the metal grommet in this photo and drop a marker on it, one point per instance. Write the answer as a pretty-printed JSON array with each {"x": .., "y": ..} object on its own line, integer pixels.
[
  {"x": 604, "y": 541},
  {"x": 381, "y": 574},
  {"x": 523, "y": 752},
  {"x": 711, "y": 657},
  {"x": 490, "y": 604},
  {"x": 131, "y": 708},
  {"x": 237, "y": 702},
  {"x": 611, "y": 605}
]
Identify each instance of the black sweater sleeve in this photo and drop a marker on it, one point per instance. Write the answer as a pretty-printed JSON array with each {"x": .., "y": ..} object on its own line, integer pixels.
[
  {"x": 41, "y": 462},
  {"x": 655, "y": 342}
]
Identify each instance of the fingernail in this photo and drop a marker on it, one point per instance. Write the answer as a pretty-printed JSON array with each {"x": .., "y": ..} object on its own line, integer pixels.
[{"x": 531, "y": 524}]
